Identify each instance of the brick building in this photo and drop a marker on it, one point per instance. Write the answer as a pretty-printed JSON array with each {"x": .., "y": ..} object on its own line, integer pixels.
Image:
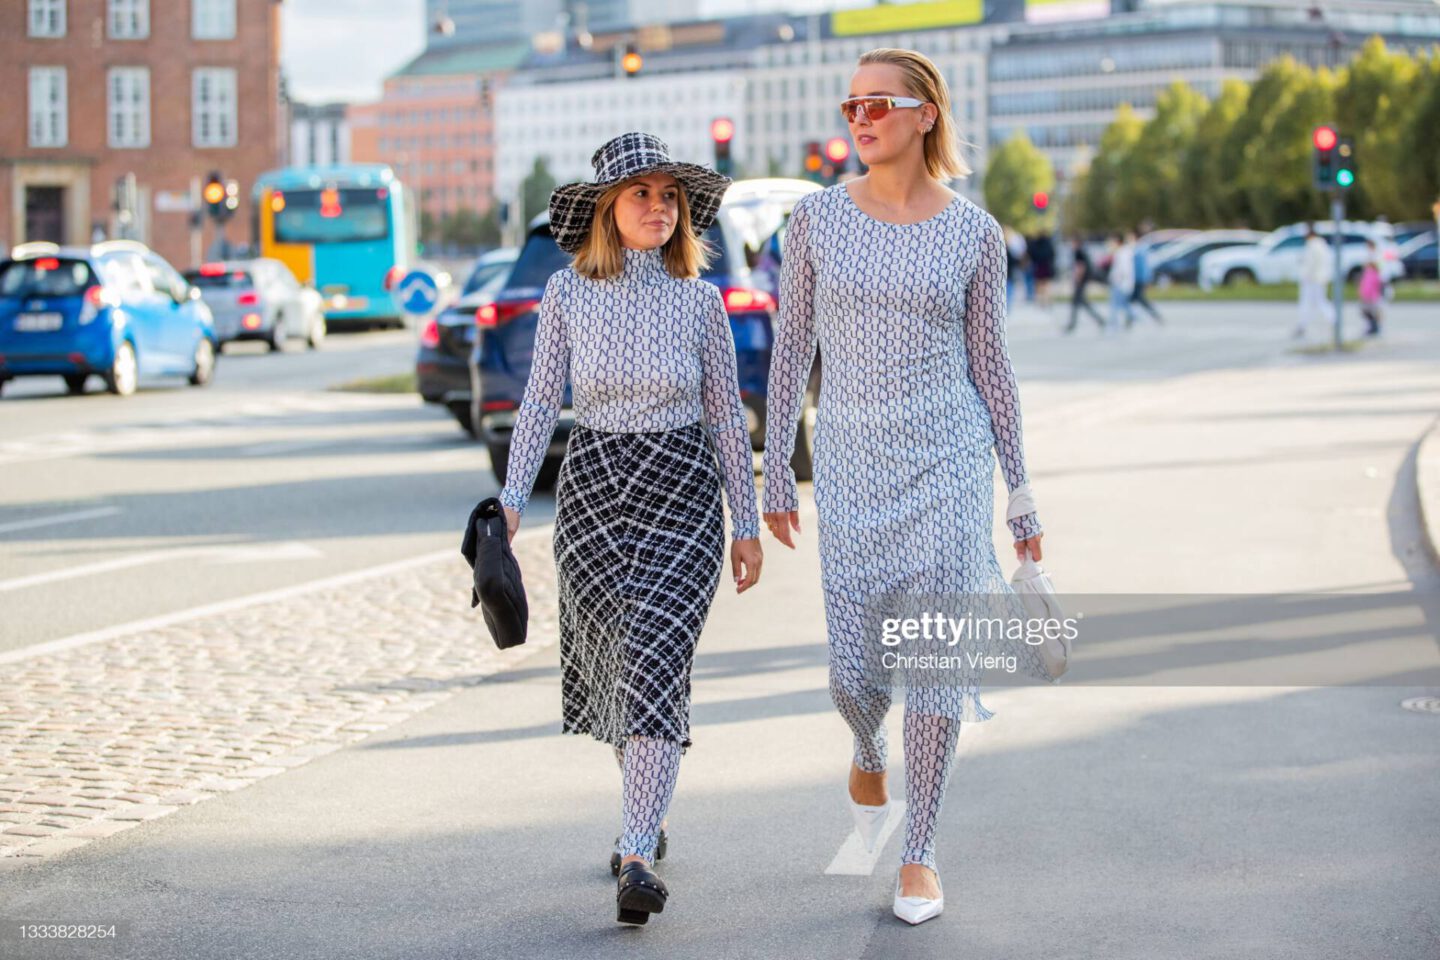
[
  {"x": 166, "y": 90},
  {"x": 435, "y": 126}
]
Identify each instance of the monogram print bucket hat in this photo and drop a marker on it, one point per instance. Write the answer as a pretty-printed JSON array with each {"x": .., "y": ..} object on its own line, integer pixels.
[{"x": 572, "y": 207}]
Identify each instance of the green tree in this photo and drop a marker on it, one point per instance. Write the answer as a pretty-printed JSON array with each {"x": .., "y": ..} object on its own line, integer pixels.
[
  {"x": 1202, "y": 159},
  {"x": 429, "y": 227},
  {"x": 490, "y": 227},
  {"x": 1151, "y": 186},
  {"x": 535, "y": 190},
  {"x": 1286, "y": 104},
  {"x": 1419, "y": 160},
  {"x": 1098, "y": 207},
  {"x": 1374, "y": 94},
  {"x": 1017, "y": 170},
  {"x": 463, "y": 228}
]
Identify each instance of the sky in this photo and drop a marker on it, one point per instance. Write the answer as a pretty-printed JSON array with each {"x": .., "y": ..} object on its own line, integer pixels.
[{"x": 343, "y": 49}]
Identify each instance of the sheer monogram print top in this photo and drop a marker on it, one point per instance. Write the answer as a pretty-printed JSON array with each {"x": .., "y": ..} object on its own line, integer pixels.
[{"x": 645, "y": 351}]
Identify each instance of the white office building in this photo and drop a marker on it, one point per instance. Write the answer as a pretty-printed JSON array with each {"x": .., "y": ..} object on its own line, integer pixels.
[{"x": 564, "y": 122}]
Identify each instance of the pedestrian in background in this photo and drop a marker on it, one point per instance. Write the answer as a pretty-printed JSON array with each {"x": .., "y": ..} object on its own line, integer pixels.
[
  {"x": 639, "y": 533},
  {"x": 1083, "y": 272},
  {"x": 901, "y": 284},
  {"x": 1142, "y": 280},
  {"x": 1372, "y": 290},
  {"x": 1317, "y": 269},
  {"x": 1122, "y": 279},
  {"x": 1042, "y": 255},
  {"x": 1015, "y": 250}
]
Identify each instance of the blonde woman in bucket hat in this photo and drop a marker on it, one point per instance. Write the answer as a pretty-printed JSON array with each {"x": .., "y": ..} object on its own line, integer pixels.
[{"x": 660, "y": 430}]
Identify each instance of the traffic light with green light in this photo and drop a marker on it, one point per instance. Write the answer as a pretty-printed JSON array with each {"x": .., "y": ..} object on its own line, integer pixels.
[{"x": 1345, "y": 163}]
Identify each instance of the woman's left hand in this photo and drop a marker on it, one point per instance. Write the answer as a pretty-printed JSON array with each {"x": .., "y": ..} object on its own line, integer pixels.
[
  {"x": 745, "y": 560},
  {"x": 1032, "y": 544}
]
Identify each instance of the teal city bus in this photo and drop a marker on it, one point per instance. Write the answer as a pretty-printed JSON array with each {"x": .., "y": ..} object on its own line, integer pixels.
[{"x": 350, "y": 231}]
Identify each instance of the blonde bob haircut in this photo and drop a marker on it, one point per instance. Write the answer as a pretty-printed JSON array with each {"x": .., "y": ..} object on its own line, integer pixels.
[
  {"x": 601, "y": 256},
  {"x": 924, "y": 81}
]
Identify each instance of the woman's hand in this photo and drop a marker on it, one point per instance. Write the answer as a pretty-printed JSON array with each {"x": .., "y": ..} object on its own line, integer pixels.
[
  {"x": 780, "y": 525},
  {"x": 1032, "y": 544},
  {"x": 745, "y": 559},
  {"x": 512, "y": 524}
]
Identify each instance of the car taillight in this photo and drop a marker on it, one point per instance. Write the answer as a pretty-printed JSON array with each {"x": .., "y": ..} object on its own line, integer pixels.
[
  {"x": 248, "y": 299},
  {"x": 393, "y": 276},
  {"x": 430, "y": 335},
  {"x": 745, "y": 300},
  {"x": 212, "y": 269},
  {"x": 96, "y": 299},
  {"x": 499, "y": 314},
  {"x": 251, "y": 321}
]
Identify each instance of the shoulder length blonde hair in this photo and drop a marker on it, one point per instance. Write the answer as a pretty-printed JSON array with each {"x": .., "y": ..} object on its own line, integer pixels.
[
  {"x": 923, "y": 79},
  {"x": 601, "y": 256}
]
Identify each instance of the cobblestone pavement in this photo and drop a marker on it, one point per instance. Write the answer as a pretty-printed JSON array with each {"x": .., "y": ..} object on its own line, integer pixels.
[{"x": 101, "y": 738}]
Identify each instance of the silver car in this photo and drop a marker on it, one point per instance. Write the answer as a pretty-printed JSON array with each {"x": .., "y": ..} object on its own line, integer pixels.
[{"x": 259, "y": 300}]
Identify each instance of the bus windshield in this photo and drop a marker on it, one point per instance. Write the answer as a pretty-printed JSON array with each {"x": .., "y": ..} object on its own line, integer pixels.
[{"x": 333, "y": 215}]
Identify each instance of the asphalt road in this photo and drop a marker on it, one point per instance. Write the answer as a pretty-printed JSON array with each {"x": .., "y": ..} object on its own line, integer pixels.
[
  {"x": 114, "y": 511},
  {"x": 1132, "y": 820}
]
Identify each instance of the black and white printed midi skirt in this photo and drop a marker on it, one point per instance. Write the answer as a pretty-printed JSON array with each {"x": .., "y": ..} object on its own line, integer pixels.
[{"x": 639, "y": 546}]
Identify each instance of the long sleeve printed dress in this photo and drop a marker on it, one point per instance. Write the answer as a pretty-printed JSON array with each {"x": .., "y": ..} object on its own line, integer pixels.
[
  {"x": 916, "y": 392},
  {"x": 639, "y": 536}
]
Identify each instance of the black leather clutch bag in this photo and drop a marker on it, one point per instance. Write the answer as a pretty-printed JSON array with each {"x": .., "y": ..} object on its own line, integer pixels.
[{"x": 498, "y": 589}]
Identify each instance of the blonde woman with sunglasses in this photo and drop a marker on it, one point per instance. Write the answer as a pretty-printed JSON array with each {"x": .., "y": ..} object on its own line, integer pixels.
[{"x": 901, "y": 282}]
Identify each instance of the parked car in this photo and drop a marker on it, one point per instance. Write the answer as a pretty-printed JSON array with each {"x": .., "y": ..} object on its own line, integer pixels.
[
  {"x": 1155, "y": 242},
  {"x": 1405, "y": 232},
  {"x": 442, "y": 371},
  {"x": 259, "y": 300},
  {"x": 115, "y": 309},
  {"x": 1276, "y": 259},
  {"x": 1179, "y": 261},
  {"x": 748, "y": 237},
  {"x": 1419, "y": 257}
]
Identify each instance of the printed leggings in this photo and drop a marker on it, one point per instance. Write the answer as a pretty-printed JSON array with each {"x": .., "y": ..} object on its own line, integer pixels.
[
  {"x": 648, "y": 768},
  {"x": 931, "y": 734}
]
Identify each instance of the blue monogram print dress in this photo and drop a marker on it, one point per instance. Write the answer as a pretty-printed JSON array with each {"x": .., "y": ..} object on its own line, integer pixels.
[{"x": 916, "y": 391}]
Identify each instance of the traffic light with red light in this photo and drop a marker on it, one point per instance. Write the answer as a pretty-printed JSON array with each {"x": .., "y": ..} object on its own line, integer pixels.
[
  {"x": 1323, "y": 167},
  {"x": 837, "y": 152},
  {"x": 722, "y": 131},
  {"x": 1041, "y": 200}
]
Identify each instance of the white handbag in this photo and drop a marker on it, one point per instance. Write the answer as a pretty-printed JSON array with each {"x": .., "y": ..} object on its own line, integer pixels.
[{"x": 1032, "y": 585}]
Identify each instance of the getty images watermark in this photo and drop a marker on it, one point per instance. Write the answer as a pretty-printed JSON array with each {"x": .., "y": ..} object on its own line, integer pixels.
[
  {"x": 969, "y": 641},
  {"x": 1380, "y": 638}
]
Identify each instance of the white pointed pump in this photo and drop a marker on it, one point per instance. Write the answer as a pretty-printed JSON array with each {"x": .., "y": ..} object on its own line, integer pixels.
[
  {"x": 916, "y": 910},
  {"x": 870, "y": 822}
]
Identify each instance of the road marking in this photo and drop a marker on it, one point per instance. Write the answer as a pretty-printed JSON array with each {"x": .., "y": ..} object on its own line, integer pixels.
[
  {"x": 286, "y": 446},
  {"x": 240, "y": 603},
  {"x": 77, "y": 515},
  {"x": 225, "y": 553},
  {"x": 853, "y": 860}
]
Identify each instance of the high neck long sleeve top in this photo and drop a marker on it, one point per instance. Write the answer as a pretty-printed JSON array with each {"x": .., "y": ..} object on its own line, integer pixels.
[{"x": 644, "y": 351}]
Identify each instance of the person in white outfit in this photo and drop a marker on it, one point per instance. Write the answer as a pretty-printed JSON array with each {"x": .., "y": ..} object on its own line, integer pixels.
[
  {"x": 1122, "y": 280},
  {"x": 1316, "y": 272}
]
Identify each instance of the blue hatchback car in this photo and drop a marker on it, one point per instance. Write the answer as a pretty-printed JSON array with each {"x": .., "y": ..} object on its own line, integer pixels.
[
  {"x": 747, "y": 237},
  {"x": 116, "y": 310}
]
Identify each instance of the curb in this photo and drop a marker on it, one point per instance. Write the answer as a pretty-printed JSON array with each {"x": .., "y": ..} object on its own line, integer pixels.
[{"x": 1427, "y": 485}]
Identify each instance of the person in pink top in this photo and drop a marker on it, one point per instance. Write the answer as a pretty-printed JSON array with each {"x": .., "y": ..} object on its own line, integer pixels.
[{"x": 1372, "y": 290}]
